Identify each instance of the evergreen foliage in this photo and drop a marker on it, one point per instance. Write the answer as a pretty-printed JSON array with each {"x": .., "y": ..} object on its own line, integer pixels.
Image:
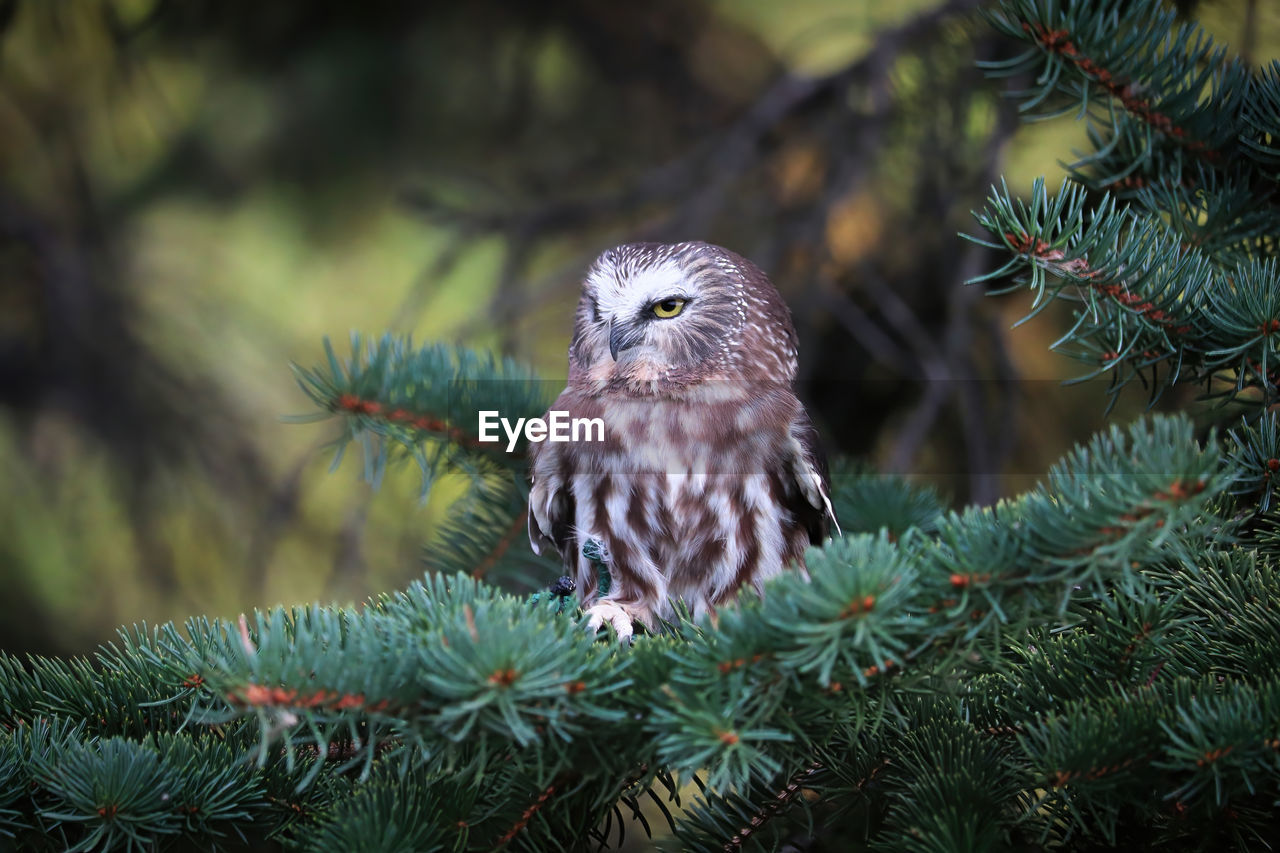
[
  {"x": 1092, "y": 664},
  {"x": 399, "y": 403},
  {"x": 1167, "y": 233}
]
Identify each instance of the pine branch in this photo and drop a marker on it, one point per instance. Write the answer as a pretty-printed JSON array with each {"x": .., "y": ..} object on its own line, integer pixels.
[
  {"x": 516, "y": 527},
  {"x": 422, "y": 403},
  {"x": 1262, "y": 112},
  {"x": 485, "y": 690},
  {"x": 525, "y": 816},
  {"x": 868, "y": 502},
  {"x": 1170, "y": 114},
  {"x": 1169, "y": 78},
  {"x": 1059, "y": 43},
  {"x": 1147, "y": 299},
  {"x": 1255, "y": 451},
  {"x": 771, "y": 808}
]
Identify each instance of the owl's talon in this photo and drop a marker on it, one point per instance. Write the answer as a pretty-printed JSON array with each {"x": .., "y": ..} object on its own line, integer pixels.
[{"x": 613, "y": 614}]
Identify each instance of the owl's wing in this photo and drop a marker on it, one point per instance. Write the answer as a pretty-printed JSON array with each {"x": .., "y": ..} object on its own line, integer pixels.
[
  {"x": 551, "y": 509},
  {"x": 807, "y": 491}
]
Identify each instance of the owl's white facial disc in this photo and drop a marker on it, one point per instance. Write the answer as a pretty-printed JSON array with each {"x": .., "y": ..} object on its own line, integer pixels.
[
  {"x": 625, "y": 295},
  {"x": 626, "y": 312},
  {"x": 670, "y": 314}
]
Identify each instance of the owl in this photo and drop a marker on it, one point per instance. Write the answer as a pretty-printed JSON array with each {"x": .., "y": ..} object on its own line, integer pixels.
[{"x": 709, "y": 476}]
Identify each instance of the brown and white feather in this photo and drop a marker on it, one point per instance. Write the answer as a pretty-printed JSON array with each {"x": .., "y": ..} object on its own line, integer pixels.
[{"x": 710, "y": 477}]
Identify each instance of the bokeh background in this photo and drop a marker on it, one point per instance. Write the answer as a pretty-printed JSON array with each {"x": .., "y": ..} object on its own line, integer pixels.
[{"x": 194, "y": 192}]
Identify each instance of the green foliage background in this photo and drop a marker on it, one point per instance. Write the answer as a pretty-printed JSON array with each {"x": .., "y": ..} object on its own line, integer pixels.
[
  {"x": 249, "y": 188},
  {"x": 1090, "y": 662}
]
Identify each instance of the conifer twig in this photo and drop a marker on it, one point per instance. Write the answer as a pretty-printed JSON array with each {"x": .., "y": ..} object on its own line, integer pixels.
[
  {"x": 503, "y": 544},
  {"x": 771, "y": 808},
  {"x": 1127, "y": 93},
  {"x": 526, "y": 816}
]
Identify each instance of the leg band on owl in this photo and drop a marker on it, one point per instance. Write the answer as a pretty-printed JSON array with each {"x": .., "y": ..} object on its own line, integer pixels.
[{"x": 595, "y": 551}]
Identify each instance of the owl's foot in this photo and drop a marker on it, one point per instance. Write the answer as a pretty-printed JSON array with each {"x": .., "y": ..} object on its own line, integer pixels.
[{"x": 620, "y": 617}]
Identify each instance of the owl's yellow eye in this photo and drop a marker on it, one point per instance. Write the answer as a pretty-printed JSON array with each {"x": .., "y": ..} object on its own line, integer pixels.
[{"x": 668, "y": 308}]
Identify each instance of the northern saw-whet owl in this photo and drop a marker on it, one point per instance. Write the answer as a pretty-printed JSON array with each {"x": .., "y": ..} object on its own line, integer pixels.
[{"x": 710, "y": 476}]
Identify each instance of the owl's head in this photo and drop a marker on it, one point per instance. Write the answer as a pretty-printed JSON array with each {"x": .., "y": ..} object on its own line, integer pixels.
[{"x": 673, "y": 315}]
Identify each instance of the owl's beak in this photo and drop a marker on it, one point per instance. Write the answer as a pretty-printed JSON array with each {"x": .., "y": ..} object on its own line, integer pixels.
[{"x": 622, "y": 337}]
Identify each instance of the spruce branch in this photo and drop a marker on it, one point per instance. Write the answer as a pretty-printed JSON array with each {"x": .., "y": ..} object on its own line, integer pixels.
[
  {"x": 469, "y": 686},
  {"x": 947, "y": 788},
  {"x": 870, "y": 609},
  {"x": 1168, "y": 77},
  {"x": 507, "y": 837},
  {"x": 772, "y": 807},
  {"x": 867, "y": 502},
  {"x": 1262, "y": 112},
  {"x": 410, "y": 811},
  {"x": 1176, "y": 125},
  {"x": 1255, "y": 450},
  {"x": 1146, "y": 299},
  {"x": 1116, "y": 258},
  {"x": 422, "y": 403}
]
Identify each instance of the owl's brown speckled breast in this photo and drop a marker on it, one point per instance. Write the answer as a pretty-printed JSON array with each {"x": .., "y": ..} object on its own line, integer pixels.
[{"x": 681, "y": 493}]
